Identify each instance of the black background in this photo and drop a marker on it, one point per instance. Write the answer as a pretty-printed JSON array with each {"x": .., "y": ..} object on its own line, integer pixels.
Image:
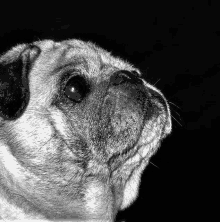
[{"x": 176, "y": 46}]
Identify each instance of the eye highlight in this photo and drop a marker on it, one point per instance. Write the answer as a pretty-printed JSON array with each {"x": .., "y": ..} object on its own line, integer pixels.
[{"x": 76, "y": 88}]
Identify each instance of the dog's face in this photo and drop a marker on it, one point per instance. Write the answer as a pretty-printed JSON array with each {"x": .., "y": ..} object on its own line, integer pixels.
[{"x": 77, "y": 128}]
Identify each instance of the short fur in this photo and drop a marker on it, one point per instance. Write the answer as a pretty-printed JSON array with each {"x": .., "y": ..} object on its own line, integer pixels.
[{"x": 70, "y": 159}]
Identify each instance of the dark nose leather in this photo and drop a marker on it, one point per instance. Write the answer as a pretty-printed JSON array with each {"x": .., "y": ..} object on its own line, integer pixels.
[{"x": 124, "y": 76}]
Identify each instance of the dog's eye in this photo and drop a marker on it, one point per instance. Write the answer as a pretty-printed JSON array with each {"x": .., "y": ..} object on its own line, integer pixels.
[{"x": 76, "y": 88}]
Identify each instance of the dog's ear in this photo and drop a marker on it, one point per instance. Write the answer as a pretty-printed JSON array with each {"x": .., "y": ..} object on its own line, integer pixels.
[{"x": 15, "y": 66}]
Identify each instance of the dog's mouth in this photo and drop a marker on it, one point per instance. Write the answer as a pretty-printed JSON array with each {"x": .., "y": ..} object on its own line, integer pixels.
[
  {"x": 130, "y": 112},
  {"x": 124, "y": 113},
  {"x": 118, "y": 119}
]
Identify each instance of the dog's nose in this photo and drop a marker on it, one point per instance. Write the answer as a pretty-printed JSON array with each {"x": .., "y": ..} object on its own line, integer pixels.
[{"x": 124, "y": 76}]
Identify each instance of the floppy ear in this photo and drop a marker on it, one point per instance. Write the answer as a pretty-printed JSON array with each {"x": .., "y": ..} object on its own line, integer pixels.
[{"x": 15, "y": 66}]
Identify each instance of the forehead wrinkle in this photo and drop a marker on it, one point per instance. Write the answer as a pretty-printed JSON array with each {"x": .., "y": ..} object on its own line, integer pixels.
[
  {"x": 86, "y": 57},
  {"x": 75, "y": 61}
]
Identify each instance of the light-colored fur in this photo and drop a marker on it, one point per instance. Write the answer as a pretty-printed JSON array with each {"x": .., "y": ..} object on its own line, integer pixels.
[{"x": 37, "y": 176}]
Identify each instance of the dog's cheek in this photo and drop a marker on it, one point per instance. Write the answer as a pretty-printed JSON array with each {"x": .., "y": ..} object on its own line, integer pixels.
[{"x": 15, "y": 66}]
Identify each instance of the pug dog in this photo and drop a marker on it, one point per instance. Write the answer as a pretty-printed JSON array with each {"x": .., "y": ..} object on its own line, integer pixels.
[{"x": 77, "y": 128}]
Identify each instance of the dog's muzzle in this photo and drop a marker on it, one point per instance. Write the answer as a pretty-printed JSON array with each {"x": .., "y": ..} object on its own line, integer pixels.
[
  {"x": 125, "y": 76},
  {"x": 128, "y": 105}
]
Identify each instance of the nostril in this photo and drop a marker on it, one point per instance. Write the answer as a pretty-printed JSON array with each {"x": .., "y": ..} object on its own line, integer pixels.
[
  {"x": 124, "y": 76},
  {"x": 158, "y": 98}
]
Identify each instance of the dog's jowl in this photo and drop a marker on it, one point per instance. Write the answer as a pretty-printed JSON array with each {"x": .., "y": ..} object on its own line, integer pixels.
[{"x": 77, "y": 128}]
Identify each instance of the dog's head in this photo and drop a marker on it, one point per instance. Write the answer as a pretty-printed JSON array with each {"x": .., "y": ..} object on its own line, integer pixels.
[{"x": 79, "y": 126}]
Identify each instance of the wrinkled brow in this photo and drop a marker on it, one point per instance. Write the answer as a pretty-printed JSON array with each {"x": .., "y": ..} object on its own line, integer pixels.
[{"x": 75, "y": 61}]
